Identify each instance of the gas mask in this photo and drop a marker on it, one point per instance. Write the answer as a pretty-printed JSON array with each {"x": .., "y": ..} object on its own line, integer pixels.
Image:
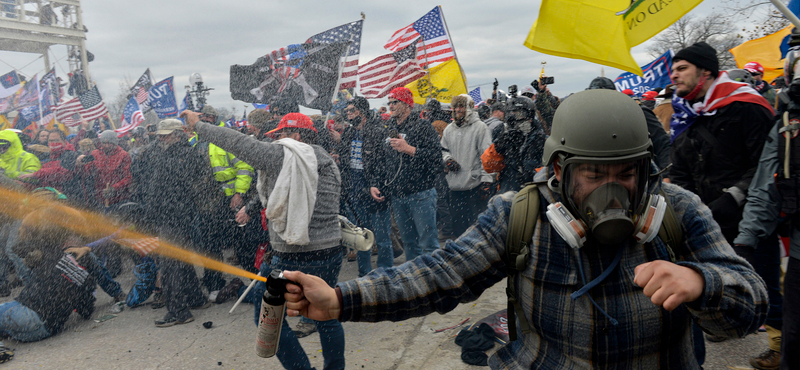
[
  {"x": 615, "y": 202},
  {"x": 518, "y": 119}
]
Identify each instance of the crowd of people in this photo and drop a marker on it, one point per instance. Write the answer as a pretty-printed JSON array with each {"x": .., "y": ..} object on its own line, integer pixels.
[{"x": 597, "y": 283}]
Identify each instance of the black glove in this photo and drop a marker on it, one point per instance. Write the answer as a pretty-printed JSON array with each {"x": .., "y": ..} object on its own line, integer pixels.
[
  {"x": 725, "y": 210},
  {"x": 495, "y": 84},
  {"x": 452, "y": 165},
  {"x": 507, "y": 140}
]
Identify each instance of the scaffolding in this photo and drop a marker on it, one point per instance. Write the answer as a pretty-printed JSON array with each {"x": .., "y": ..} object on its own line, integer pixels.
[{"x": 33, "y": 26}]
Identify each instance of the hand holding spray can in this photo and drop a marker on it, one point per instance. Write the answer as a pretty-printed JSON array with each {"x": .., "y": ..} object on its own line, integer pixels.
[{"x": 270, "y": 320}]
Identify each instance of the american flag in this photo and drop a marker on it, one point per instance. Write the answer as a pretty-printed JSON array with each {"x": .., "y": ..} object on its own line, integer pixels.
[
  {"x": 143, "y": 246},
  {"x": 131, "y": 117},
  {"x": 88, "y": 106},
  {"x": 386, "y": 72},
  {"x": 345, "y": 33},
  {"x": 435, "y": 47}
]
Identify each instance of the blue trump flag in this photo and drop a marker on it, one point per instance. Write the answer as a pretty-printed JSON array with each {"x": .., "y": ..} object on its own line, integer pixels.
[
  {"x": 656, "y": 74},
  {"x": 162, "y": 99}
]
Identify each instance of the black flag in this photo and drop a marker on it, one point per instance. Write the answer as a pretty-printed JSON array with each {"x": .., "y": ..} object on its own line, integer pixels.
[{"x": 305, "y": 73}]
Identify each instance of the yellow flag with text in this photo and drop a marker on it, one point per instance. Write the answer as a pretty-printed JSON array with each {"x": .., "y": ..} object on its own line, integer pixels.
[
  {"x": 602, "y": 31},
  {"x": 765, "y": 50},
  {"x": 443, "y": 82}
]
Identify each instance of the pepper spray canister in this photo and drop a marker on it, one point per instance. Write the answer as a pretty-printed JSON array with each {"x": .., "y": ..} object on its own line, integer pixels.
[{"x": 270, "y": 321}]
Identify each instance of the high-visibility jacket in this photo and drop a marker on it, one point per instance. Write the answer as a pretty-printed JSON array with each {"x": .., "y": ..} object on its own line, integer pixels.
[
  {"x": 235, "y": 175},
  {"x": 15, "y": 161}
]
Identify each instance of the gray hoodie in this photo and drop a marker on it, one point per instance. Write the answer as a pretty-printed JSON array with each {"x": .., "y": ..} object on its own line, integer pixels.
[
  {"x": 267, "y": 158},
  {"x": 465, "y": 144}
]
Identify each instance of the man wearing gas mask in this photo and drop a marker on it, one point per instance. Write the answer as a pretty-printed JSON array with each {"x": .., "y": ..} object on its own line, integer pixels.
[
  {"x": 598, "y": 288},
  {"x": 517, "y": 150}
]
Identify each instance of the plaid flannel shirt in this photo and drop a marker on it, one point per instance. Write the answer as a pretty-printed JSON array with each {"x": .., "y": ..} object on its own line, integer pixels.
[{"x": 566, "y": 333}]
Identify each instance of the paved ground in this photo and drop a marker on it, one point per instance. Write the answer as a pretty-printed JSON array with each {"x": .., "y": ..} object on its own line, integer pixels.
[{"x": 131, "y": 341}]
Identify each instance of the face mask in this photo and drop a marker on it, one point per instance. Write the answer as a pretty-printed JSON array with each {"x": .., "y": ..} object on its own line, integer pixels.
[
  {"x": 605, "y": 214},
  {"x": 55, "y": 146}
]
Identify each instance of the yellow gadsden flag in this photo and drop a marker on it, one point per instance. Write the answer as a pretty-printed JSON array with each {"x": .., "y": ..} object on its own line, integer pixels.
[
  {"x": 765, "y": 50},
  {"x": 602, "y": 31},
  {"x": 443, "y": 82}
]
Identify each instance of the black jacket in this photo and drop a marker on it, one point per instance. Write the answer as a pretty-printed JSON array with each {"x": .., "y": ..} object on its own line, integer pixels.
[
  {"x": 403, "y": 174},
  {"x": 373, "y": 135},
  {"x": 522, "y": 154},
  {"x": 659, "y": 137},
  {"x": 721, "y": 150},
  {"x": 58, "y": 285},
  {"x": 173, "y": 187}
]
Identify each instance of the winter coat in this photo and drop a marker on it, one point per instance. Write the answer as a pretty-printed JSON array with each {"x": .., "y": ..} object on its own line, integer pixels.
[
  {"x": 520, "y": 154},
  {"x": 372, "y": 136},
  {"x": 173, "y": 186},
  {"x": 465, "y": 144},
  {"x": 661, "y": 142},
  {"x": 15, "y": 161},
  {"x": 52, "y": 173},
  {"x": 407, "y": 174},
  {"x": 110, "y": 170}
]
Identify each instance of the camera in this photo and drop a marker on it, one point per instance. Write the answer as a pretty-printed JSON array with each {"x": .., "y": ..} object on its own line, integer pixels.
[
  {"x": 548, "y": 80},
  {"x": 512, "y": 90}
]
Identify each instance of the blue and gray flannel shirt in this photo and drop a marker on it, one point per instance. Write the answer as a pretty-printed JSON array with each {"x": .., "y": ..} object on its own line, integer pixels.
[{"x": 566, "y": 333}]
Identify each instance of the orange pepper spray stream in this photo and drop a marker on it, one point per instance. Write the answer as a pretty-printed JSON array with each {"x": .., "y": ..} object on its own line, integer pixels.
[{"x": 17, "y": 204}]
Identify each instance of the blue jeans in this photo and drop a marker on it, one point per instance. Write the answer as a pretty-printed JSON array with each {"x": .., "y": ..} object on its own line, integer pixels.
[
  {"x": 415, "y": 215},
  {"x": 331, "y": 335},
  {"x": 380, "y": 223},
  {"x": 21, "y": 323}
]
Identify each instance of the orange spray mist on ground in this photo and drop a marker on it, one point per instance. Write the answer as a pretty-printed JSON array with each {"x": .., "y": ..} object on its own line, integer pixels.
[{"x": 16, "y": 204}]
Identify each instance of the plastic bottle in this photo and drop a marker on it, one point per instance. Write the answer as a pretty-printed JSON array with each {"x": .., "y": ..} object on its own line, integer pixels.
[{"x": 270, "y": 320}]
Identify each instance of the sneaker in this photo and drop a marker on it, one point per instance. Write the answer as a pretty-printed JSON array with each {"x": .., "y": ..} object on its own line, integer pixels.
[
  {"x": 170, "y": 319},
  {"x": 158, "y": 300},
  {"x": 351, "y": 256},
  {"x": 715, "y": 338},
  {"x": 212, "y": 296},
  {"x": 6, "y": 354},
  {"x": 768, "y": 360},
  {"x": 117, "y": 307},
  {"x": 304, "y": 329},
  {"x": 229, "y": 291}
]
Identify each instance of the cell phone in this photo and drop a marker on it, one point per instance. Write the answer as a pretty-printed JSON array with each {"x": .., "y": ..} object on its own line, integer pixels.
[
  {"x": 393, "y": 133},
  {"x": 88, "y": 158},
  {"x": 548, "y": 80}
]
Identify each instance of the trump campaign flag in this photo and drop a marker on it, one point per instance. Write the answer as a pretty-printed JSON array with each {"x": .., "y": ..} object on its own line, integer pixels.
[
  {"x": 602, "y": 31},
  {"x": 131, "y": 117},
  {"x": 162, "y": 99},
  {"x": 655, "y": 74}
]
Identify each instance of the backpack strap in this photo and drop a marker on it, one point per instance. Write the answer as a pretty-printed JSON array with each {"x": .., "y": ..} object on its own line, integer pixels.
[
  {"x": 521, "y": 224},
  {"x": 671, "y": 232}
]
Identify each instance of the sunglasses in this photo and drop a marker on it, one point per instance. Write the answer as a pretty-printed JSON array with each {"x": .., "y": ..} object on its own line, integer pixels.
[{"x": 351, "y": 110}]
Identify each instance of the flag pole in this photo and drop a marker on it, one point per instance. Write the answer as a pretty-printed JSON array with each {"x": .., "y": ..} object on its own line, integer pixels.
[
  {"x": 113, "y": 125},
  {"x": 455, "y": 55},
  {"x": 39, "y": 103},
  {"x": 786, "y": 12}
]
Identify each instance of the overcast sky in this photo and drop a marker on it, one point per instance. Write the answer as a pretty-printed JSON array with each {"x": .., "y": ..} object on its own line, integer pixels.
[{"x": 179, "y": 38}]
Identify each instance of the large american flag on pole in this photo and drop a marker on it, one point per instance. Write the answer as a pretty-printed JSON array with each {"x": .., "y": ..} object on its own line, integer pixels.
[
  {"x": 88, "y": 106},
  {"x": 131, "y": 117},
  {"x": 345, "y": 33},
  {"x": 435, "y": 46},
  {"x": 382, "y": 74}
]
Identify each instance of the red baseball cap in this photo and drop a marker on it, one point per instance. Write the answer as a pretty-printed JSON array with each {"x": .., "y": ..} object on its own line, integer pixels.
[
  {"x": 295, "y": 120},
  {"x": 650, "y": 95},
  {"x": 754, "y": 67},
  {"x": 628, "y": 92},
  {"x": 402, "y": 94}
]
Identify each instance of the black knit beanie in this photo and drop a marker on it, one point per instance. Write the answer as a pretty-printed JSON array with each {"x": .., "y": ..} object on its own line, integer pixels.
[
  {"x": 700, "y": 54},
  {"x": 360, "y": 103}
]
